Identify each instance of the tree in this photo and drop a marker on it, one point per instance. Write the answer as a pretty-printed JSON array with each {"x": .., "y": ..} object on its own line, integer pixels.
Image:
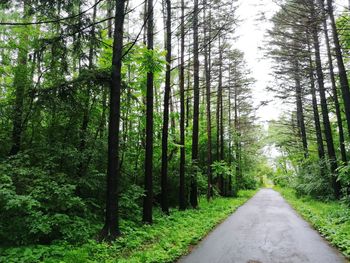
[
  {"x": 182, "y": 199},
  {"x": 148, "y": 199},
  {"x": 207, "y": 65},
  {"x": 111, "y": 228},
  {"x": 344, "y": 84},
  {"x": 324, "y": 106},
  {"x": 193, "y": 191},
  {"x": 164, "y": 172}
]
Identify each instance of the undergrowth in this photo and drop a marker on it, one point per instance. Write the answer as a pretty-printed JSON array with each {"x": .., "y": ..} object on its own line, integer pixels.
[{"x": 166, "y": 240}]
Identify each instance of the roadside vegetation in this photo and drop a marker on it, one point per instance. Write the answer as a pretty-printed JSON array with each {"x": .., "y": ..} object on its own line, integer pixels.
[{"x": 166, "y": 240}]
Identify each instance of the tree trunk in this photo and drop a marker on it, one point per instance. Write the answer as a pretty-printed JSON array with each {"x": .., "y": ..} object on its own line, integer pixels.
[
  {"x": 207, "y": 66},
  {"x": 164, "y": 169},
  {"x": 326, "y": 122},
  {"x": 334, "y": 91},
  {"x": 318, "y": 130},
  {"x": 344, "y": 84},
  {"x": 219, "y": 121},
  {"x": 237, "y": 141},
  {"x": 111, "y": 228},
  {"x": 193, "y": 191},
  {"x": 300, "y": 110},
  {"x": 148, "y": 198},
  {"x": 109, "y": 14},
  {"x": 182, "y": 198}
]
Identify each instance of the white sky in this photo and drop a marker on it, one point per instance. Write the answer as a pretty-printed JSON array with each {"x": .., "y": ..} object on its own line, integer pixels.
[{"x": 251, "y": 32}]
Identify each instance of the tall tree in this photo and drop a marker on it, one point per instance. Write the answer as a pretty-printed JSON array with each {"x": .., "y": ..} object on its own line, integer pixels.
[
  {"x": 324, "y": 106},
  {"x": 300, "y": 110},
  {"x": 207, "y": 65},
  {"x": 148, "y": 198},
  {"x": 344, "y": 84},
  {"x": 164, "y": 170},
  {"x": 111, "y": 228},
  {"x": 182, "y": 198},
  {"x": 334, "y": 86},
  {"x": 195, "y": 132},
  {"x": 318, "y": 130}
]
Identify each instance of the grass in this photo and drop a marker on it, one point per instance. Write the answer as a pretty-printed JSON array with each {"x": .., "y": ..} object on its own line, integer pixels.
[
  {"x": 166, "y": 240},
  {"x": 331, "y": 219}
]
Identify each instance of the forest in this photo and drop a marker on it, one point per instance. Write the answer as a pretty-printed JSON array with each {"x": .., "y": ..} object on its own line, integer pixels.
[{"x": 129, "y": 129}]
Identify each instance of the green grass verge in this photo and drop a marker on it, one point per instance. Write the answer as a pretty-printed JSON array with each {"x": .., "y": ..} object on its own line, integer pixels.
[
  {"x": 167, "y": 239},
  {"x": 331, "y": 219}
]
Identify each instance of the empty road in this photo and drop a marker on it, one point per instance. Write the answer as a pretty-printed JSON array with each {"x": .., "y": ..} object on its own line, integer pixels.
[{"x": 264, "y": 230}]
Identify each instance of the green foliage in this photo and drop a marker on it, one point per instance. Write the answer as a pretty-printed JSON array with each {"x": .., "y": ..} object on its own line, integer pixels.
[
  {"x": 165, "y": 241},
  {"x": 331, "y": 219},
  {"x": 38, "y": 206},
  {"x": 344, "y": 177},
  {"x": 310, "y": 181},
  {"x": 221, "y": 168}
]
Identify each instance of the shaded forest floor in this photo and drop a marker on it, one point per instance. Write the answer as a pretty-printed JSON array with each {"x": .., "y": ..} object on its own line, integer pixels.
[
  {"x": 331, "y": 219},
  {"x": 166, "y": 240}
]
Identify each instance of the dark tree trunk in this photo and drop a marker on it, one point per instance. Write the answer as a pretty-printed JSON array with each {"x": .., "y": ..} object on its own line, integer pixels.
[
  {"x": 326, "y": 122},
  {"x": 320, "y": 147},
  {"x": 207, "y": 65},
  {"x": 164, "y": 169},
  {"x": 182, "y": 197},
  {"x": 111, "y": 228},
  {"x": 230, "y": 192},
  {"x": 344, "y": 84},
  {"x": 334, "y": 91},
  {"x": 219, "y": 120},
  {"x": 110, "y": 6},
  {"x": 237, "y": 141},
  {"x": 148, "y": 198},
  {"x": 300, "y": 110},
  {"x": 193, "y": 191}
]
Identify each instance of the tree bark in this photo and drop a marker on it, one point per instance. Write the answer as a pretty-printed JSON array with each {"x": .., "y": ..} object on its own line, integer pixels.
[
  {"x": 318, "y": 130},
  {"x": 148, "y": 198},
  {"x": 182, "y": 198},
  {"x": 334, "y": 90},
  {"x": 164, "y": 169},
  {"x": 344, "y": 84},
  {"x": 207, "y": 66},
  {"x": 300, "y": 110},
  {"x": 326, "y": 122},
  {"x": 195, "y": 133},
  {"x": 111, "y": 228}
]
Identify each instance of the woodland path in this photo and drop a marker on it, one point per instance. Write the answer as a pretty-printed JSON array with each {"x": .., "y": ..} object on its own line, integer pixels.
[{"x": 264, "y": 230}]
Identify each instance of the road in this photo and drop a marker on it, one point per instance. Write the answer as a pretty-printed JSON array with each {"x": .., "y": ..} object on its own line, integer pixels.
[{"x": 264, "y": 230}]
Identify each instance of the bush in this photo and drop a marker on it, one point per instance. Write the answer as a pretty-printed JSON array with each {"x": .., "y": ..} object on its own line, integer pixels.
[
  {"x": 38, "y": 207},
  {"x": 310, "y": 181}
]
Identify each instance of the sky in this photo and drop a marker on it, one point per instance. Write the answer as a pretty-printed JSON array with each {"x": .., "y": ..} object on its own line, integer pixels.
[{"x": 251, "y": 32}]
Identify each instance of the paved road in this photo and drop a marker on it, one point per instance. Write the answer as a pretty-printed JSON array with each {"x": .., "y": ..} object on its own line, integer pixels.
[{"x": 264, "y": 230}]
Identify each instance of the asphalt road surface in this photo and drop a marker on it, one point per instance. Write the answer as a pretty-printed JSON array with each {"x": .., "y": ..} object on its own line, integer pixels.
[{"x": 264, "y": 230}]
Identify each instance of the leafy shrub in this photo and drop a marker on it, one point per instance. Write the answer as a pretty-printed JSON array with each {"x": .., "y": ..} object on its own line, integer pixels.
[
  {"x": 310, "y": 181},
  {"x": 38, "y": 207}
]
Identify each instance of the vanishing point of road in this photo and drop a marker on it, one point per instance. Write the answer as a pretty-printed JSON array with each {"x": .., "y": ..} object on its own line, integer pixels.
[{"x": 264, "y": 230}]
